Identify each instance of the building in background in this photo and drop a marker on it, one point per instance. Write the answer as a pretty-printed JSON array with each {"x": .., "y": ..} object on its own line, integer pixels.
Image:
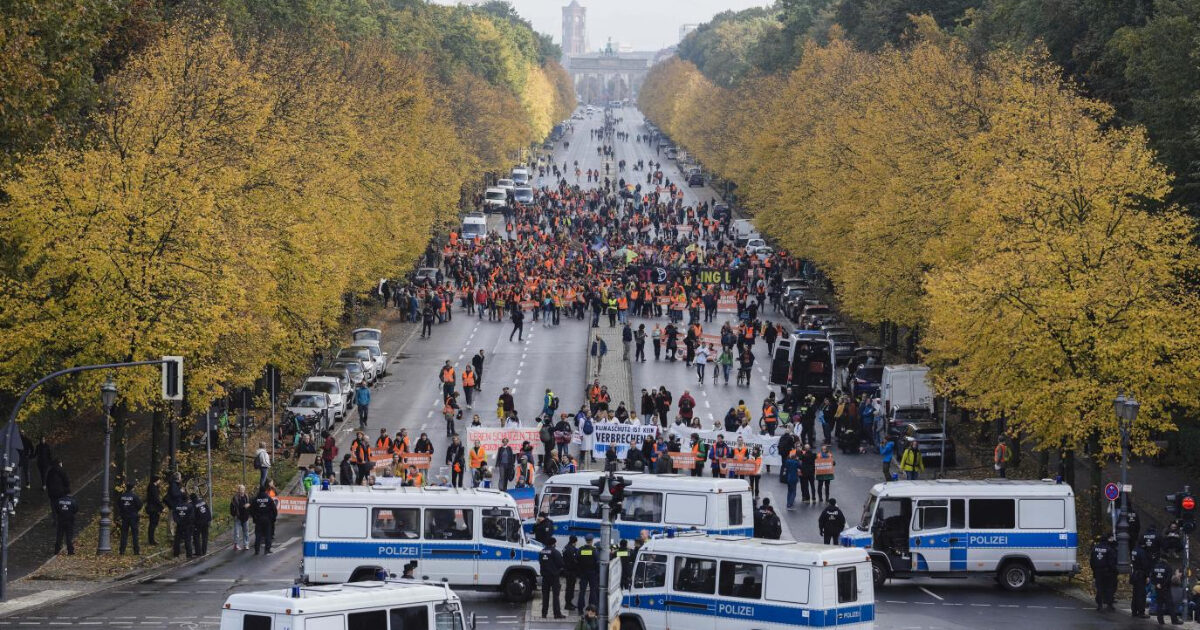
[
  {"x": 574, "y": 29},
  {"x": 685, "y": 29}
]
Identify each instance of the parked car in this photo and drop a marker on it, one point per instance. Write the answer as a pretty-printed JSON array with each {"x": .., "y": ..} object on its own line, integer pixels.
[
  {"x": 495, "y": 198},
  {"x": 345, "y": 382},
  {"x": 331, "y": 386},
  {"x": 843, "y": 345},
  {"x": 425, "y": 276},
  {"x": 753, "y": 244},
  {"x": 695, "y": 178},
  {"x": 363, "y": 353},
  {"x": 813, "y": 314},
  {"x": 866, "y": 380},
  {"x": 520, "y": 176},
  {"x": 358, "y": 371},
  {"x": 901, "y": 418},
  {"x": 506, "y": 184},
  {"x": 929, "y": 437},
  {"x": 309, "y": 410},
  {"x": 764, "y": 252}
]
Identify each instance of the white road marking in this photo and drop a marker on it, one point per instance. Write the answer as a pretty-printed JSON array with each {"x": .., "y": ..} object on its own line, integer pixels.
[{"x": 932, "y": 594}]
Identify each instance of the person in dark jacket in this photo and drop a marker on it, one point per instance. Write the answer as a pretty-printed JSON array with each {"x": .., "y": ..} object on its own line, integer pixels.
[
  {"x": 551, "y": 567},
  {"x": 1103, "y": 561},
  {"x": 154, "y": 508},
  {"x": 184, "y": 516},
  {"x": 543, "y": 530},
  {"x": 505, "y": 464},
  {"x": 626, "y": 557},
  {"x": 570, "y": 555},
  {"x": 239, "y": 511},
  {"x": 174, "y": 495},
  {"x": 346, "y": 471},
  {"x": 26, "y": 454},
  {"x": 1164, "y": 578},
  {"x": 65, "y": 508},
  {"x": 808, "y": 474},
  {"x": 58, "y": 485},
  {"x": 263, "y": 511},
  {"x": 589, "y": 574},
  {"x": 791, "y": 476},
  {"x": 831, "y": 522},
  {"x": 456, "y": 461},
  {"x": 44, "y": 458},
  {"x": 202, "y": 518},
  {"x": 1140, "y": 565},
  {"x": 129, "y": 505}
]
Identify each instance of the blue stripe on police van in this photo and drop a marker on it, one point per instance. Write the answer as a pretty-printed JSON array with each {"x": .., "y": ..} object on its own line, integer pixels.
[
  {"x": 382, "y": 549},
  {"x": 999, "y": 540},
  {"x": 676, "y": 603}
]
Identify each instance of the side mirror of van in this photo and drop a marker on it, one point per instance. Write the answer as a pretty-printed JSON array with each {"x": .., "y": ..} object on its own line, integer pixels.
[{"x": 471, "y": 620}]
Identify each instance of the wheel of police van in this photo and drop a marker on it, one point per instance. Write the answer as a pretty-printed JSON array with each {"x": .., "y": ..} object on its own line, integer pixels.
[
  {"x": 1015, "y": 575},
  {"x": 879, "y": 572},
  {"x": 518, "y": 587}
]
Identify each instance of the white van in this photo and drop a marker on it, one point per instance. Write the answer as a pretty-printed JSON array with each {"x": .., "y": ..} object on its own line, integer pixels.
[
  {"x": 1012, "y": 529},
  {"x": 906, "y": 387},
  {"x": 474, "y": 226},
  {"x": 520, "y": 176},
  {"x": 655, "y": 503},
  {"x": 495, "y": 198},
  {"x": 710, "y": 582},
  {"x": 471, "y": 538},
  {"x": 362, "y": 605}
]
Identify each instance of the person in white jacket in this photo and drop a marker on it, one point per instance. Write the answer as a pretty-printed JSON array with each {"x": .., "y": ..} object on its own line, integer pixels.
[{"x": 701, "y": 362}]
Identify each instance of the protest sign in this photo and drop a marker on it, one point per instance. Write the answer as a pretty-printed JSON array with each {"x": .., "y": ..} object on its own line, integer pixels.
[
  {"x": 768, "y": 444},
  {"x": 525, "y": 501},
  {"x": 739, "y": 466},
  {"x": 491, "y": 438},
  {"x": 621, "y": 436},
  {"x": 292, "y": 505},
  {"x": 682, "y": 460}
]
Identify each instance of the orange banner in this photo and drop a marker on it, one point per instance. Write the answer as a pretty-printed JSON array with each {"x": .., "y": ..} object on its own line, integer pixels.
[
  {"x": 740, "y": 466},
  {"x": 380, "y": 454},
  {"x": 292, "y": 505},
  {"x": 683, "y": 461}
]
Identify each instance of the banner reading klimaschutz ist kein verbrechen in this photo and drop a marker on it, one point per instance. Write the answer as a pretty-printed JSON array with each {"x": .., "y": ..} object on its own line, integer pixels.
[{"x": 621, "y": 436}]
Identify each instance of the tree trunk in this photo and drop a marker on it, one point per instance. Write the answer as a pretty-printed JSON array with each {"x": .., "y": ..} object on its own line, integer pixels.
[
  {"x": 1095, "y": 480},
  {"x": 157, "y": 422},
  {"x": 1043, "y": 464},
  {"x": 1067, "y": 462},
  {"x": 120, "y": 419},
  {"x": 883, "y": 333},
  {"x": 1014, "y": 448},
  {"x": 910, "y": 345}
]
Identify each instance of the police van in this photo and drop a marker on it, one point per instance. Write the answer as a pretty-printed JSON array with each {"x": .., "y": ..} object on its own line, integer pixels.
[
  {"x": 656, "y": 503},
  {"x": 706, "y": 582},
  {"x": 1012, "y": 529},
  {"x": 468, "y": 538},
  {"x": 361, "y": 605}
]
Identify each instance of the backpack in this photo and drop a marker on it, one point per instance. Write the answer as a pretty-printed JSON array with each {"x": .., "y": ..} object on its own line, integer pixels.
[
  {"x": 553, "y": 403},
  {"x": 588, "y": 429},
  {"x": 545, "y": 434}
]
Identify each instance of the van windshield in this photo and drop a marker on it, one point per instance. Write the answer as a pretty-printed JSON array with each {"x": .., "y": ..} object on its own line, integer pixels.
[
  {"x": 476, "y": 229},
  {"x": 864, "y": 523}
]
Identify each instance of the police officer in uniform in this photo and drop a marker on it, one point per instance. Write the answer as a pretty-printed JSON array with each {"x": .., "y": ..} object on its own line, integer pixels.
[
  {"x": 543, "y": 530},
  {"x": 1150, "y": 541},
  {"x": 1140, "y": 565},
  {"x": 1162, "y": 576},
  {"x": 551, "y": 564},
  {"x": 570, "y": 555},
  {"x": 831, "y": 522},
  {"x": 626, "y": 558},
  {"x": 65, "y": 509},
  {"x": 262, "y": 510},
  {"x": 1103, "y": 561},
  {"x": 589, "y": 574},
  {"x": 202, "y": 518},
  {"x": 128, "y": 507},
  {"x": 184, "y": 516}
]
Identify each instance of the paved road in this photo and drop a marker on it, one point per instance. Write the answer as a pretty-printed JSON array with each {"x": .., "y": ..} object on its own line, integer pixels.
[{"x": 191, "y": 596}]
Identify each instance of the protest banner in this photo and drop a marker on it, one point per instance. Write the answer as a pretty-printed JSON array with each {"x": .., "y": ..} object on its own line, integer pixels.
[
  {"x": 620, "y": 436},
  {"x": 739, "y": 466},
  {"x": 490, "y": 438},
  {"x": 525, "y": 501},
  {"x": 380, "y": 455},
  {"x": 682, "y": 460},
  {"x": 768, "y": 444},
  {"x": 419, "y": 460},
  {"x": 292, "y": 505},
  {"x": 727, "y": 302}
]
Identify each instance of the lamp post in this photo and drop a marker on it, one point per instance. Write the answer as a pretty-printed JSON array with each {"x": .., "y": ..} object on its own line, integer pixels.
[
  {"x": 1126, "y": 409},
  {"x": 108, "y": 397}
]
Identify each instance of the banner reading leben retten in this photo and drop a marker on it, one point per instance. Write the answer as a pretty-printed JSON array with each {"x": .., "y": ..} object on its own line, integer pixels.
[
  {"x": 621, "y": 436},
  {"x": 769, "y": 445},
  {"x": 491, "y": 439}
]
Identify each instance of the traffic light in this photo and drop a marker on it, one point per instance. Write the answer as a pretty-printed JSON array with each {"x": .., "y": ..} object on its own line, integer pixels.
[
  {"x": 172, "y": 378},
  {"x": 1173, "y": 503},
  {"x": 1187, "y": 512},
  {"x": 12, "y": 484}
]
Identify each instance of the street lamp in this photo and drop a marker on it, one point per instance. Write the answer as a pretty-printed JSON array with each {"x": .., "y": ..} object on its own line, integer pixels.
[
  {"x": 1126, "y": 409},
  {"x": 108, "y": 397}
]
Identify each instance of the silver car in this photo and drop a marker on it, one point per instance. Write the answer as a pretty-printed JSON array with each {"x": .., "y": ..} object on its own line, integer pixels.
[
  {"x": 332, "y": 387},
  {"x": 358, "y": 371}
]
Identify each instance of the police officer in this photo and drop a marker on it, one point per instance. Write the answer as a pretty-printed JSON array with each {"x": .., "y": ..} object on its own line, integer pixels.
[
  {"x": 202, "y": 518},
  {"x": 831, "y": 522},
  {"x": 184, "y": 516},
  {"x": 128, "y": 507},
  {"x": 1140, "y": 565},
  {"x": 626, "y": 558},
  {"x": 1150, "y": 541},
  {"x": 570, "y": 555},
  {"x": 1162, "y": 576},
  {"x": 543, "y": 530},
  {"x": 589, "y": 574},
  {"x": 551, "y": 564},
  {"x": 262, "y": 510},
  {"x": 1103, "y": 561},
  {"x": 65, "y": 509}
]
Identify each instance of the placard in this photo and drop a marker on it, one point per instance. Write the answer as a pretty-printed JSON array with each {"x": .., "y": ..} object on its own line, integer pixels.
[
  {"x": 490, "y": 438},
  {"x": 620, "y": 436},
  {"x": 292, "y": 505},
  {"x": 769, "y": 445}
]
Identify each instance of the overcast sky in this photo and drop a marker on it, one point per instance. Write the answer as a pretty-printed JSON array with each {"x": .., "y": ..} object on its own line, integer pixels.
[{"x": 646, "y": 24}]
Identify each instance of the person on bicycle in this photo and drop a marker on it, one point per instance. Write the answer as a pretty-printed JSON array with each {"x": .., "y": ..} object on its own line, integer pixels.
[{"x": 362, "y": 398}]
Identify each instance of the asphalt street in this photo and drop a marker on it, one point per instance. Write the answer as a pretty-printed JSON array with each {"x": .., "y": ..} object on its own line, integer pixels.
[{"x": 409, "y": 396}]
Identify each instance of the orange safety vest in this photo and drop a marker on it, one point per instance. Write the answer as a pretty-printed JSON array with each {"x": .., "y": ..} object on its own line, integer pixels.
[
  {"x": 448, "y": 375},
  {"x": 417, "y": 479},
  {"x": 384, "y": 442},
  {"x": 740, "y": 453},
  {"x": 478, "y": 457},
  {"x": 361, "y": 456},
  {"x": 468, "y": 378},
  {"x": 401, "y": 446},
  {"x": 622, "y": 303}
]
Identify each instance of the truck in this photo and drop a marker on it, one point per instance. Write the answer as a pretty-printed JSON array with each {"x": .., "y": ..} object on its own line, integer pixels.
[{"x": 906, "y": 387}]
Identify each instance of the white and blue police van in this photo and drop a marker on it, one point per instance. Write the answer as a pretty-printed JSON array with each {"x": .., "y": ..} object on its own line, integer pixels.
[
  {"x": 370, "y": 604},
  {"x": 654, "y": 503},
  {"x": 1014, "y": 530},
  {"x": 704, "y": 582},
  {"x": 468, "y": 538}
]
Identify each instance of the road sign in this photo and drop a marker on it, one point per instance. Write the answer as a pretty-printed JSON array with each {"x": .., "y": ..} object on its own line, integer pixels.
[{"x": 1111, "y": 492}]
